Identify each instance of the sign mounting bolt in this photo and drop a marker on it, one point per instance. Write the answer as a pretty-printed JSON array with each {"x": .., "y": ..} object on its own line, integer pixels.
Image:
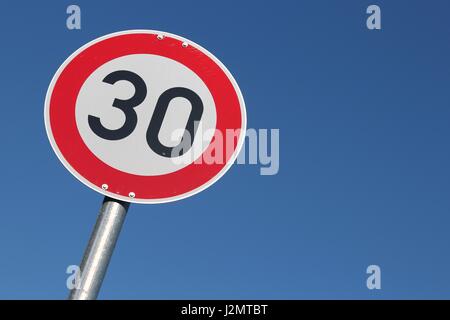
[
  {"x": 184, "y": 44},
  {"x": 160, "y": 36},
  {"x": 105, "y": 186},
  {"x": 132, "y": 195}
]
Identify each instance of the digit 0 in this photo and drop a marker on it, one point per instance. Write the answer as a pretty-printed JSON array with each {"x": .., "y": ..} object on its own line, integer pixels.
[{"x": 158, "y": 116}]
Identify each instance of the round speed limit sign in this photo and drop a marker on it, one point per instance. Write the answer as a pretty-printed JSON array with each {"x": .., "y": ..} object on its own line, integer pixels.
[{"x": 145, "y": 116}]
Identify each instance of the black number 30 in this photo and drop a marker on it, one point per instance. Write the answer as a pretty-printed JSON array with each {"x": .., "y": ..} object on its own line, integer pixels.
[{"x": 127, "y": 107}]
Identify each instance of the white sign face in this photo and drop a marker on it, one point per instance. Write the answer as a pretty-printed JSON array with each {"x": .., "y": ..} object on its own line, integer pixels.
[
  {"x": 132, "y": 154},
  {"x": 132, "y": 113}
]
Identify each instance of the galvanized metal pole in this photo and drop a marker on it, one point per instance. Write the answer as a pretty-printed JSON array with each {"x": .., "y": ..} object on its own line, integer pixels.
[{"x": 100, "y": 248}]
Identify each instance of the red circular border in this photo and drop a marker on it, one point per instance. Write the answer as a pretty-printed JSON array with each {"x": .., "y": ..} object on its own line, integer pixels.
[{"x": 71, "y": 146}]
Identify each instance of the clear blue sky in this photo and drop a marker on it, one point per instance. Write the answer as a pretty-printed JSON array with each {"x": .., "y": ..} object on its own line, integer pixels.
[{"x": 365, "y": 163}]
